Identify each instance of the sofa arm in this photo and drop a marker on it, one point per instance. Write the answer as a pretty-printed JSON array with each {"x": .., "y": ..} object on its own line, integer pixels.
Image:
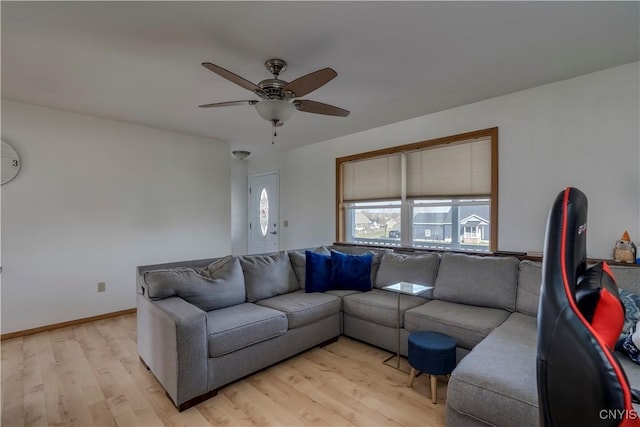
[{"x": 172, "y": 341}]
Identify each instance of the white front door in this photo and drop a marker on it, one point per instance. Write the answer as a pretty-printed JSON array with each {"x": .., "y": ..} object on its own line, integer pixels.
[{"x": 264, "y": 215}]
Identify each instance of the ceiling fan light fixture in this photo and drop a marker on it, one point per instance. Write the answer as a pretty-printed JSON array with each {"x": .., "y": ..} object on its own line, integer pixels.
[
  {"x": 275, "y": 110},
  {"x": 241, "y": 154}
]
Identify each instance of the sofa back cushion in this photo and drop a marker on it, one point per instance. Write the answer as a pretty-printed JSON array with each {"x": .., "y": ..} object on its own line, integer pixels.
[
  {"x": 420, "y": 269},
  {"x": 220, "y": 287},
  {"x": 529, "y": 280},
  {"x": 477, "y": 280},
  {"x": 266, "y": 276}
]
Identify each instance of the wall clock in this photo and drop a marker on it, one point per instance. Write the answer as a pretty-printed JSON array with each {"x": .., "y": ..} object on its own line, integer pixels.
[{"x": 10, "y": 163}]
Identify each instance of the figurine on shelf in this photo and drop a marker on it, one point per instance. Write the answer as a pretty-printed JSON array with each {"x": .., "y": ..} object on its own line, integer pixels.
[{"x": 625, "y": 249}]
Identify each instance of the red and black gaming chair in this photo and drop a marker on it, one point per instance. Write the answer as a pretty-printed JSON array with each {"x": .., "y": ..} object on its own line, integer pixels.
[{"x": 580, "y": 382}]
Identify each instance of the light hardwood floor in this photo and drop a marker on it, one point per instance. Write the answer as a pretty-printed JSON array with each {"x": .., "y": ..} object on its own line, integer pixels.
[{"x": 90, "y": 374}]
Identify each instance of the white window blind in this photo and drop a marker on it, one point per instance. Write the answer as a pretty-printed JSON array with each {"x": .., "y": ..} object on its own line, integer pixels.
[
  {"x": 371, "y": 179},
  {"x": 459, "y": 169}
]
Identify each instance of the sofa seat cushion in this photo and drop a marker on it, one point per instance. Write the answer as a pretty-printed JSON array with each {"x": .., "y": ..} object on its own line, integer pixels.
[
  {"x": 303, "y": 308},
  {"x": 379, "y": 306},
  {"x": 232, "y": 328},
  {"x": 468, "y": 324},
  {"x": 496, "y": 382},
  {"x": 341, "y": 293}
]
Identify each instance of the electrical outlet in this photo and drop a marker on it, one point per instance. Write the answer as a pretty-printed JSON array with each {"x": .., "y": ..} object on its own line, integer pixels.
[
  {"x": 285, "y": 223},
  {"x": 102, "y": 286}
]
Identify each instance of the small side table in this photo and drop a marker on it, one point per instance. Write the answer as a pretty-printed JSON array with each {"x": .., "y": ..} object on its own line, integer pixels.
[{"x": 407, "y": 289}]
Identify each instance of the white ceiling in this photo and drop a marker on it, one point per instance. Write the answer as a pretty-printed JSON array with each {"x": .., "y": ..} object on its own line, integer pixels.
[{"x": 140, "y": 61}]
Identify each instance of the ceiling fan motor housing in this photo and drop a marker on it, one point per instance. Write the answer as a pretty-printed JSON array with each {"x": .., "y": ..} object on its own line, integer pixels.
[{"x": 272, "y": 89}]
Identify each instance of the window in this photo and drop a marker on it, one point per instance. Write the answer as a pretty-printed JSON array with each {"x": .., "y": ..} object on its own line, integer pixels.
[
  {"x": 451, "y": 224},
  {"x": 373, "y": 223},
  {"x": 443, "y": 193}
]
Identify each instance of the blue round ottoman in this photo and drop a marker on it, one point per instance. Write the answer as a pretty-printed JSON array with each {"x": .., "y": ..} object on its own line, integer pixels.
[{"x": 431, "y": 353}]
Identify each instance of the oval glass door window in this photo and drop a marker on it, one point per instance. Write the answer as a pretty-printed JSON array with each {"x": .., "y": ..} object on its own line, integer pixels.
[{"x": 264, "y": 212}]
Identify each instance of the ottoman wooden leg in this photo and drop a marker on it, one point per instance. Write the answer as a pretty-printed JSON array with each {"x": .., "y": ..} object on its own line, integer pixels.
[
  {"x": 434, "y": 388},
  {"x": 412, "y": 376}
]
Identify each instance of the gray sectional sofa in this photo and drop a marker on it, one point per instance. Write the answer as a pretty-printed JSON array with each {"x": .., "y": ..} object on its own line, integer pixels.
[{"x": 203, "y": 324}]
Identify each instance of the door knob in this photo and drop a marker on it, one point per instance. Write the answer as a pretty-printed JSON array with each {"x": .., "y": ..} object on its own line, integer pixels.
[{"x": 274, "y": 232}]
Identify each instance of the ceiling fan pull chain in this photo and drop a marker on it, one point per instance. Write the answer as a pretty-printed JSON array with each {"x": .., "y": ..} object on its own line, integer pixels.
[{"x": 273, "y": 137}]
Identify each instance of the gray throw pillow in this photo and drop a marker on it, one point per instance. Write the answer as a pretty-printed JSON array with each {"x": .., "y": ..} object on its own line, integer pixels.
[
  {"x": 418, "y": 269},
  {"x": 266, "y": 276},
  {"x": 213, "y": 269},
  {"x": 299, "y": 262},
  {"x": 223, "y": 288},
  {"x": 478, "y": 280}
]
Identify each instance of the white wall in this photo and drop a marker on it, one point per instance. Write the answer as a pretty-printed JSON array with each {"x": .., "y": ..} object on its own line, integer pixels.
[
  {"x": 94, "y": 199},
  {"x": 239, "y": 209},
  {"x": 582, "y": 132}
]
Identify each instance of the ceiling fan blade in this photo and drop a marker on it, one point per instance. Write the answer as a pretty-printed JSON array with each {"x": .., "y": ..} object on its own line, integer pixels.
[
  {"x": 307, "y": 84},
  {"x": 320, "y": 108},
  {"x": 228, "y": 104},
  {"x": 231, "y": 76}
]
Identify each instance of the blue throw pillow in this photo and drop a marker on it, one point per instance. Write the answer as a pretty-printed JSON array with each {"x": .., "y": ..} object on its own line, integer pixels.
[
  {"x": 318, "y": 272},
  {"x": 351, "y": 272}
]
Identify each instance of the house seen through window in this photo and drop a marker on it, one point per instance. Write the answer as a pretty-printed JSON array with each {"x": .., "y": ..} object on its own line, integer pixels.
[{"x": 439, "y": 194}]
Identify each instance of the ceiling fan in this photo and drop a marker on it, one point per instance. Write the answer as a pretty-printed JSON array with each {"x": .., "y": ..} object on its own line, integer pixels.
[{"x": 277, "y": 97}]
